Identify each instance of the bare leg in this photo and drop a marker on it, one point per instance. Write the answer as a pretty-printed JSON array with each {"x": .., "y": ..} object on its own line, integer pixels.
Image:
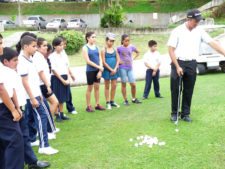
[
  {"x": 113, "y": 89},
  {"x": 133, "y": 90},
  {"x": 96, "y": 91},
  {"x": 61, "y": 107},
  {"x": 124, "y": 91},
  {"x": 53, "y": 101},
  {"x": 107, "y": 83},
  {"x": 88, "y": 95}
]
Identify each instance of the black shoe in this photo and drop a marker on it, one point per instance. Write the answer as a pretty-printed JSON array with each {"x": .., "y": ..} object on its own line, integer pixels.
[
  {"x": 136, "y": 101},
  {"x": 144, "y": 98},
  {"x": 173, "y": 118},
  {"x": 126, "y": 103},
  {"x": 186, "y": 119},
  {"x": 58, "y": 118},
  {"x": 39, "y": 165},
  {"x": 159, "y": 97},
  {"x": 63, "y": 116}
]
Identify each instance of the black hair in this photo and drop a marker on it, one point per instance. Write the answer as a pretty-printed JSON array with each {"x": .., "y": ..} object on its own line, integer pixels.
[
  {"x": 27, "y": 40},
  {"x": 152, "y": 43},
  {"x": 49, "y": 48},
  {"x": 62, "y": 37},
  {"x": 40, "y": 41},
  {"x": 8, "y": 54},
  {"x": 18, "y": 46},
  {"x": 57, "y": 41},
  {"x": 88, "y": 35},
  {"x": 1, "y": 37},
  {"x": 123, "y": 37}
]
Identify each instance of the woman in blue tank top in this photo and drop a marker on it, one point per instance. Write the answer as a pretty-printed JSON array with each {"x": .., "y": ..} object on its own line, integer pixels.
[
  {"x": 111, "y": 60},
  {"x": 93, "y": 71}
]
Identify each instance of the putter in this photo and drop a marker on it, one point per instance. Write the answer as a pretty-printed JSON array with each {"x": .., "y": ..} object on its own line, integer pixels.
[{"x": 179, "y": 100}]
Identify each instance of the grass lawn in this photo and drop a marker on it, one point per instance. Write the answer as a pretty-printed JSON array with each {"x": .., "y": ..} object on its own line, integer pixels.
[
  {"x": 101, "y": 140},
  {"x": 132, "y": 6}
]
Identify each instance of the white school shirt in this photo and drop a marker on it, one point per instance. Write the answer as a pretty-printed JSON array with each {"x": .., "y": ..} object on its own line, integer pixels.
[
  {"x": 59, "y": 62},
  {"x": 7, "y": 80},
  {"x": 152, "y": 59},
  {"x": 26, "y": 67},
  {"x": 41, "y": 64},
  {"x": 187, "y": 43}
]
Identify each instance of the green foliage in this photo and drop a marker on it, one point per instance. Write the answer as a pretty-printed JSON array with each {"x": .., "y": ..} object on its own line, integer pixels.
[
  {"x": 113, "y": 17},
  {"x": 75, "y": 41}
]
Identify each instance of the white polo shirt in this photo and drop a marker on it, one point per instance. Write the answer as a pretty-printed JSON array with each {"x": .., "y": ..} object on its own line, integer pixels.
[
  {"x": 152, "y": 59},
  {"x": 7, "y": 80},
  {"x": 59, "y": 62},
  {"x": 186, "y": 42},
  {"x": 41, "y": 64},
  {"x": 26, "y": 67}
]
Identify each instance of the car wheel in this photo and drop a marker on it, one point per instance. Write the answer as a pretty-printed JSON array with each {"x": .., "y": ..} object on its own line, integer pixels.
[
  {"x": 201, "y": 69},
  {"x": 222, "y": 66}
]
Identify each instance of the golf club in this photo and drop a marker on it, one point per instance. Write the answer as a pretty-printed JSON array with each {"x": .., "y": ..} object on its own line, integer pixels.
[{"x": 179, "y": 100}]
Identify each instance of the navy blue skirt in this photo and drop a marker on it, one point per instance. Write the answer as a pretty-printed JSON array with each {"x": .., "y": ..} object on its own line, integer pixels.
[{"x": 61, "y": 91}]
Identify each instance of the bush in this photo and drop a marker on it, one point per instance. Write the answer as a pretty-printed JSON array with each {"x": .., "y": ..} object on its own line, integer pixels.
[
  {"x": 220, "y": 11},
  {"x": 113, "y": 17},
  {"x": 75, "y": 41}
]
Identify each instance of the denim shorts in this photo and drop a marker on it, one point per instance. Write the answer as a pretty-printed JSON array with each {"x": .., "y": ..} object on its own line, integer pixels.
[{"x": 127, "y": 74}]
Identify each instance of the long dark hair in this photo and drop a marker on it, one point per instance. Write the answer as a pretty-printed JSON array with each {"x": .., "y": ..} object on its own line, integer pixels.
[
  {"x": 88, "y": 35},
  {"x": 123, "y": 37},
  {"x": 56, "y": 42},
  {"x": 18, "y": 46}
]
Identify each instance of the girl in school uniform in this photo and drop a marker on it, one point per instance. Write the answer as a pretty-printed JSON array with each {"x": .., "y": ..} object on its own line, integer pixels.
[
  {"x": 93, "y": 71},
  {"x": 60, "y": 72},
  {"x": 110, "y": 60}
]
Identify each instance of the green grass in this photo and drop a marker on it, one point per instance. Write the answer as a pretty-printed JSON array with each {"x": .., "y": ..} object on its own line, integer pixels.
[
  {"x": 8, "y": 33},
  {"x": 100, "y": 140},
  {"x": 140, "y": 41},
  {"x": 134, "y": 6}
]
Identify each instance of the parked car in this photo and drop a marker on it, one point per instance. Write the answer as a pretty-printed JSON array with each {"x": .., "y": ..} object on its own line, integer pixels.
[
  {"x": 8, "y": 24},
  {"x": 57, "y": 23},
  {"x": 76, "y": 23},
  {"x": 36, "y": 22}
]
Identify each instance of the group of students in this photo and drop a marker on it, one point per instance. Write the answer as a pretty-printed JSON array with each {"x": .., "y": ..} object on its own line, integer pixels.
[
  {"x": 35, "y": 83},
  {"x": 111, "y": 63}
]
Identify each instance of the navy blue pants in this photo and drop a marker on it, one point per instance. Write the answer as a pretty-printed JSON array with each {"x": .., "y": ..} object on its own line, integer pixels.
[
  {"x": 37, "y": 120},
  {"x": 29, "y": 156},
  {"x": 69, "y": 104},
  {"x": 148, "y": 83},
  {"x": 11, "y": 141}
]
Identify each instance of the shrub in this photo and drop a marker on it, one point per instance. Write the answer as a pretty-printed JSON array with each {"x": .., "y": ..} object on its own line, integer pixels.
[
  {"x": 220, "y": 11},
  {"x": 113, "y": 17},
  {"x": 75, "y": 41}
]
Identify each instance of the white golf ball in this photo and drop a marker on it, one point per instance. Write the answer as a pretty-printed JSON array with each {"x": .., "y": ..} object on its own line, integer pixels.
[
  {"x": 138, "y": 138},
  {"x": 136, "y": 145},
  {"x": 130, "y": 139},
  {"x": 162, "y": 143},
  {"x": 177, "y": 130}
]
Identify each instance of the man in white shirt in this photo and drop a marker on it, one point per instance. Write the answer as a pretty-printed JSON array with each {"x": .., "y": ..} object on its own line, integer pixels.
[
  {"x": 184, "y": 46},
  {"x": 152, "y": 62}
]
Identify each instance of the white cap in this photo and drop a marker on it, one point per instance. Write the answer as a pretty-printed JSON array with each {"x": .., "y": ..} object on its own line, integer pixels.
[{"x": 111, "y": 36}]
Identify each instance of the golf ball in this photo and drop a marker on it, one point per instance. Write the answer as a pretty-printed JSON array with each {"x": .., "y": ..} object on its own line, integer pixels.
[
  {"x": 177, "y": 130},
  {"x": 130, "y": 139},
  {"x": 136, "y": 145},
  {"x": 162, "y": 143}
]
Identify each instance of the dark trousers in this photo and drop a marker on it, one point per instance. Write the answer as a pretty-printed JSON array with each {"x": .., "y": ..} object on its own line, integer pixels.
[
  {"x": 37, "y": 120},
  {"x": 29, "y": 156},
  {"x": 188, "y": 81},
  {"x": 11, "y": 141},
  {"x": 69, "y": 104},
  {"x": 148, "y": 83}
]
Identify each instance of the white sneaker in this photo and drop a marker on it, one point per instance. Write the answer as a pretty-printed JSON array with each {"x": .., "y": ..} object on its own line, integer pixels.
[
  {"x": 35, "y": 144},
  {"x": 108, "y": 106},
  {"x": 74, "y": 112},
  {"x": 56, "y": 130},
  {"x": 47, "y": 151},
  {"x": 51, "y": 136}
]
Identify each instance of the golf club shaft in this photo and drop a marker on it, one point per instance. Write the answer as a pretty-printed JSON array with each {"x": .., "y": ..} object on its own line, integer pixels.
[{"x": 179, "y": 98}]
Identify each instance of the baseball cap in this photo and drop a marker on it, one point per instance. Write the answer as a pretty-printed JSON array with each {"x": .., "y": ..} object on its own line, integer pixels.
[
  {"x": 111, "y": 36},
  {"x": 195, "y": 14}
]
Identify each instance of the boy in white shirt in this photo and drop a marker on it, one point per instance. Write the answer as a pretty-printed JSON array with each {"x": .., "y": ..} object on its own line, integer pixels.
[
  {"x": 10, "y": 60},
  {"x": 30, "y": 79},
  {"x": 152, "y": 62}
]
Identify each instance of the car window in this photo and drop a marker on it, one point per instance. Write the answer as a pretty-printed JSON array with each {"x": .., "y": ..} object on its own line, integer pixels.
[
  {"x": 33, "y": 18},
  {"x": 63, "y": 20},
  {"x": 42, "y": 19},
  {"x": 74, "y": 20}
]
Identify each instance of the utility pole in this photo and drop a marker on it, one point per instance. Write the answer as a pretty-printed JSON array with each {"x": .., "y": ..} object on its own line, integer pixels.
[{"x": 19, "y": 13}]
